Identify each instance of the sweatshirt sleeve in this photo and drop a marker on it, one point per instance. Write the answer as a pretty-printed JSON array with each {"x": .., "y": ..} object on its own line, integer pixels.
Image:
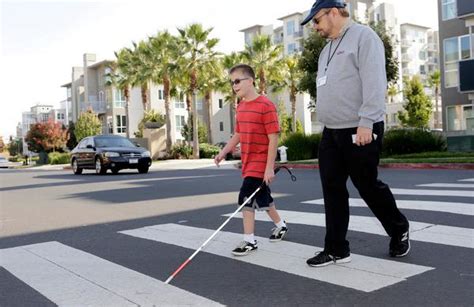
[{"x": 374, "y": 79}]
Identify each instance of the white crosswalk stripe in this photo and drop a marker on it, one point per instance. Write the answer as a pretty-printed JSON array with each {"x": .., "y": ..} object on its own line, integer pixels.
[
  {"x": 425, "y": 232},
  {"x": 438, "y": 206},
  {"x": 467, "y": 179},
  {"x": 70, "y": 277},
  {"x": 433, "y": 192},
  {"x": 363, "y": 273},
  {"x": 448, "y": 185}
]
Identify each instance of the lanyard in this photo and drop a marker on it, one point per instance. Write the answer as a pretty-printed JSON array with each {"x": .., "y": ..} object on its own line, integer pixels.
[{"x": 337, "y": 46}]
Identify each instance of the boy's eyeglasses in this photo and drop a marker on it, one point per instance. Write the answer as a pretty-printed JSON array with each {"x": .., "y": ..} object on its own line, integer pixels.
[
  {"x": 237, "y": 81},
  {"x": 317, "y": 20}
]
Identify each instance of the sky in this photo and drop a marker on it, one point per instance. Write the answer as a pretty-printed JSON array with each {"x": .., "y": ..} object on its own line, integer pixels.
[{"x": 40, "y": 41}]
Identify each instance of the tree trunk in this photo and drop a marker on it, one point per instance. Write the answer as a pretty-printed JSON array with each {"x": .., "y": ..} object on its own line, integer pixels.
[
  {"x": 208, "y": 99},
  {"x": 436, "y": 106},
  {"x": 195, "y": 128},
  {"x": 127, "y": 112},
  {"x": 262, "y": 83},
  {"x": 166, "y": 88},
  {"x": 232, "y": 109},
  {"x": 144, "y": 92},
  {"x": 189, "y": 122},
  {"x": 293, "y": 110}
]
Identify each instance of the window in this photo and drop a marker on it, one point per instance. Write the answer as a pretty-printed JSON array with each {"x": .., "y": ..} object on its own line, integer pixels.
[
  {"x": 422, "y": 55},
  {"x": 119, "y": 98},
  {"x": 455, "y": 49},
  {"x": 160, "y": 95},
  {"x": 422, "y": 70},
  {"x": 291, "y": 48},
  {"x": 179, "y": 105},
  {"x": 460, "y": 117},
  {"x": 221, "y": 103},
  {"x": 121, "y": 124},
  {"x": 199, "y": 105},
  {"x": 449, "y": 10},
  {"x": 465, "y": 47},
  {"x": 221, "y": 126},
  {"x": 180, "y": 122},
  {"x": 290, "y": 27}
]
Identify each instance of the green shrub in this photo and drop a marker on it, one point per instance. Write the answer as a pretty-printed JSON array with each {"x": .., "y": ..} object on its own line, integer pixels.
[
  {"x": 58, "y": 158},
  {"x": 181, "y": 151},
  {"x": 406, "y": 141},
  {"x": 208, "y": 151},
  {"x": 301, "y": 146}
]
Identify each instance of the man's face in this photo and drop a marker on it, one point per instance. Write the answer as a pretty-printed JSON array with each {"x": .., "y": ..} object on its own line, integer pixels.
[
  {"x": 241, "y": 83},
  {"x": 322, "y": 23}
]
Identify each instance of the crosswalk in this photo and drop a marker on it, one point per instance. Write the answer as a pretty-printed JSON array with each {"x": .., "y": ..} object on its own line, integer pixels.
[{"x": 69, "y": 276}]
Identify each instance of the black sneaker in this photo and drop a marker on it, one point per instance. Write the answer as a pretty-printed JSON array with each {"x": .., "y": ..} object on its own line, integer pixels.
[
  {"x": 278, "y": 233},
  {"x": 324, "y": 258},
  {"x": 400, "y": 245},
  {"x": 244, "y": 248}
]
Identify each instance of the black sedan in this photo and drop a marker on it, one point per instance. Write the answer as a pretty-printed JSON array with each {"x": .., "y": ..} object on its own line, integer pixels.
[{"x": 103, "y": 152}]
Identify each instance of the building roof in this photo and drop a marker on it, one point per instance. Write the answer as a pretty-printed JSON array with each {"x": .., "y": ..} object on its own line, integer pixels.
[
  {"x": 250, "y": 28},
  {"x": 104, "y": 62},
  {"x": 414, "y": 25},
  {"x": 292, "y": 14},
  {"x": 69, "y": 84}
]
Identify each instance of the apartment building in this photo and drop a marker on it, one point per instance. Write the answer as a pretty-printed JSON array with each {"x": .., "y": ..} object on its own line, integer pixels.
[{"x": 456, "y": 34}]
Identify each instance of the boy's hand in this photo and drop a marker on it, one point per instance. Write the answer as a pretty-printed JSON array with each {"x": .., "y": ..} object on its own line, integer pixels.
[
  {"x": 219, "y": 158},
  {"x": 269, "y": 176}
]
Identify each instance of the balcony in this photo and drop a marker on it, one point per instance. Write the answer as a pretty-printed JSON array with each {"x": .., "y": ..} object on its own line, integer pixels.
[
  {"x": 466, "y": 76},
  {"x": 98, "y": 107},
  {"x": 298, "y": 34},
  {"x": 406, "y": 43},
  {"x": 465, "y": 8},
  {"x": 432, "y": 60},
  {"x": 406, "y": 58}
]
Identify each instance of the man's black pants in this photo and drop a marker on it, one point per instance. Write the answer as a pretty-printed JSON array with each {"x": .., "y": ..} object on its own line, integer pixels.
[{"x": 339, "y": 159}]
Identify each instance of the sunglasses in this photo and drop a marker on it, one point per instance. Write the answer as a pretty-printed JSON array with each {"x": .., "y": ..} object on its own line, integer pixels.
[
  {"x": 317, "y": 20},
  {"x": 237, "y": 81}
]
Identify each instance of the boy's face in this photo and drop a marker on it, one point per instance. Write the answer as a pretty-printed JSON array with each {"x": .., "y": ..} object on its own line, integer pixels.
[{"x": 241, "y": 84}]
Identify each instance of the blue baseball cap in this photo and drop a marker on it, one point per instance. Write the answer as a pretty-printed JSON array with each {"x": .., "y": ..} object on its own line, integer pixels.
[{"x": 322, "y": 4}]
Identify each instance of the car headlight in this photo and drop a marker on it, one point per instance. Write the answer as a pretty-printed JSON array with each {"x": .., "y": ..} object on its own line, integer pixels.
[
  {"x": 146, "y": 154},
  {"x": 110, "y": 154}
]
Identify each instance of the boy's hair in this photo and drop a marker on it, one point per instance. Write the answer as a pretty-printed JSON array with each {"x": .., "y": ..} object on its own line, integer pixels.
[{"x": 245, "y": 69}]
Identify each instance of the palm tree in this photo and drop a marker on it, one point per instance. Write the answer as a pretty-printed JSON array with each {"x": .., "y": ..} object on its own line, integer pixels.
[
  {"x": 211, "y": 78},
  {"x": 392, "y": 91},
  {"x": 122, "y": 77},
  {"x": 162, "y": 48},
  {"x": 265, "y": 59},
  {"x": 229, "y": 61},
  {"x": 434, "y": 81},
  {"x": 144, "y": 70},
  {"x": 198, "y": 53},
  {"x": 291, "y": 76}
]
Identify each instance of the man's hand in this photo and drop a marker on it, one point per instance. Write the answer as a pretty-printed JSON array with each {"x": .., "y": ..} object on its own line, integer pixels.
[
  {"x": 219, "y": 158},
  {"x": 364, "y": 136},
  {"x": 269, "y": 176}
]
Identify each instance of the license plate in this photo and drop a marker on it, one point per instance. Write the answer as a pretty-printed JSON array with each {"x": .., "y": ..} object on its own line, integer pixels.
[{"x": 133, "y": 161}]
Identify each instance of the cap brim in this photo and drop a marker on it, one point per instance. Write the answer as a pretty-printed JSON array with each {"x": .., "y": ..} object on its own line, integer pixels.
[{"x": 309, "y": 17}]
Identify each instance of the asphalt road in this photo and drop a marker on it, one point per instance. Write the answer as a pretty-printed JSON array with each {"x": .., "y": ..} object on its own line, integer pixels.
[{"x": 113, "y": 240}]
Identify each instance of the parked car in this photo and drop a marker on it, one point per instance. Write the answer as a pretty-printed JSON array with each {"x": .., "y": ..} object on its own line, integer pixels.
[
  {"x": 4, "y": 163},
  {"x": 103, "y": 152}
]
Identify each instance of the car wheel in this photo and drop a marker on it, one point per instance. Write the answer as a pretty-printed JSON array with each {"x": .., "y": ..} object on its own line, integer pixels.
[
  {"x": 99, "y": 168},
  {"x": 76, "y": 169},
  {"x": 115, "y": 171},
  {"x": 143, "y": 170}
]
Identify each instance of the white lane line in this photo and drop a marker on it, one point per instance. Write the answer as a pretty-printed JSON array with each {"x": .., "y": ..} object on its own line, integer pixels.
[
  {"x": 439, "y": 234},
  {"x": 467, "y": 179},
  {"x": 68, "y": 276},
  {"x": 438, "y": 206},
  {"x": 432, "y": 192},
  {"x": 363, "y": 273},
  {"x": 448, "y": 185}
]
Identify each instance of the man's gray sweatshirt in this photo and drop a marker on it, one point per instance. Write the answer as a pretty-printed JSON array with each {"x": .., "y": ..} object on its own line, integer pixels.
[{"x": 353, "y": 93}]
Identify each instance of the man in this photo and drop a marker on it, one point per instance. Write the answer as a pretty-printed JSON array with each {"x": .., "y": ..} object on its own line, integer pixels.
[
  {"x": 257, "y": 132},
  {"x": 351, "y": 85}
]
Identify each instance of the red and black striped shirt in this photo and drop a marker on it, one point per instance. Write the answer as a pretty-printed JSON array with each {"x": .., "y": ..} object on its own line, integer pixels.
[{"x": 256, "y": 119}]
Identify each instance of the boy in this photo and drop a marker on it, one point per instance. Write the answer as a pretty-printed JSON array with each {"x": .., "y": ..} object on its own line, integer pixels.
[{"x": 257, "y": 131}]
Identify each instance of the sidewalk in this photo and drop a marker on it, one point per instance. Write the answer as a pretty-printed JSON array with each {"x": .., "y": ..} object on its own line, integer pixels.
[{"x": 310, "y": 164}]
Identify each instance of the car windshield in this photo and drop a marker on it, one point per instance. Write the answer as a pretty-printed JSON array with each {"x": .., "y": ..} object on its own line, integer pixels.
[
  {"x": 113, "y": 142},
  {"x": 2, "y": 159}
]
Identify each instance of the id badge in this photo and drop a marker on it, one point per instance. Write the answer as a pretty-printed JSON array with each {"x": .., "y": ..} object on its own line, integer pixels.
[{"x": 321, "y": 81}]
